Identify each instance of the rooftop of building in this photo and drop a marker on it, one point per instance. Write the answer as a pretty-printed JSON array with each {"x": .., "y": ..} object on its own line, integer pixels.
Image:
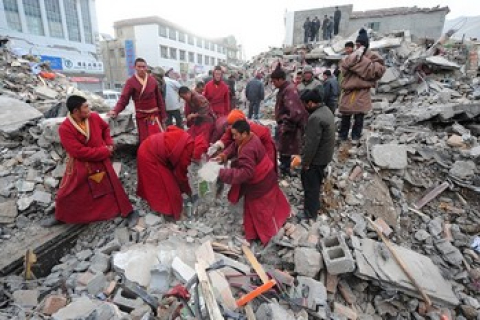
[{"x": 396, "y": 11}]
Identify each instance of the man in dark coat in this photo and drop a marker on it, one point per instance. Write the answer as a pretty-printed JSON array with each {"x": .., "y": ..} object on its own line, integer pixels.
[
  {"x": 307, "y": 29},
  {"x": 291, "y": 117},
  {"x": 255, "y": 93},
  {"x": 315, "y": 28},
  {"x": 325, "y": 23},
  {"x": 337, "y": 16},
  {"x": 331, "y": 90}
]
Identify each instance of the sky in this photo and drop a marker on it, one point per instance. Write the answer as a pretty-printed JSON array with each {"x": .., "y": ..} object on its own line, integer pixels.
[{"x": 256, "y": 24}]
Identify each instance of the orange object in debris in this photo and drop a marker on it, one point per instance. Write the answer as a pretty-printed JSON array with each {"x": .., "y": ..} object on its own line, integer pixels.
[
  {"x": 296, "y": 161},
  {"x": 47, "y": 75},
  {"x": 255, "y": 293}
]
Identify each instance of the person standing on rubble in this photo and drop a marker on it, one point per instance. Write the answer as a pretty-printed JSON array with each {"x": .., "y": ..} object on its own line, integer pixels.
[
  {"x": 253, "y": 176},
  {"x": 231, "y": 81},
  {"x": 150, "y": 113},
  {"x": 317, "y": 151},
  {"x": 309, "y": 82},
  {"x": 325, "y": 27},
  {"x": 315, "y": 29},
  {"x": 162, "y": 166},
  {"x": 200, "y": 118},
  {"x": 360, "y": 70},
  {"x": 218, "y": 94},
  {"x": 337, "y": 16},
  {"x": 307, "y": 29},
  {"x": 330, "y": 28},
  {"x": 331, "y": 90},
  {"x": 290, "y": 116},
  {"x": 90, "y": 189},
  {"x": 255, "y": 93}
]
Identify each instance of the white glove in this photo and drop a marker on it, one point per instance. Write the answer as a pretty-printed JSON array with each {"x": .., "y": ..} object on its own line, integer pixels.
[
  {"x": 214, "y": 148},
  {"x": 359, "y": 52}
]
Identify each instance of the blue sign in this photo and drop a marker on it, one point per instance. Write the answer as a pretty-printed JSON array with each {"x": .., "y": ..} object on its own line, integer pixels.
[
  {"x": 130, "y": 57},
  {"x": 55, "y": 62}
]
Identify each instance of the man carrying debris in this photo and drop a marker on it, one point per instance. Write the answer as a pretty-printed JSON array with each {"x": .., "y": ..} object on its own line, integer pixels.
[
  {"x": 162, "y": 165},
  {"x": 200, "y": 118},
  {"x": 90, "y": 189},
  {"x": 255, "y": 93},
  {"x": 262, "y": 132},
  {"x": 218, "y": 94},
  {"x": 331, "y": 90},
  {"x": 309, "y": 82},
  {"x": 150, "y": 111},
  {"x": 253, "y": 175},
  {"x": 361, "y": 70},
  {"x": 317, "y": 151},
  {"x": 291, "y": 117}
]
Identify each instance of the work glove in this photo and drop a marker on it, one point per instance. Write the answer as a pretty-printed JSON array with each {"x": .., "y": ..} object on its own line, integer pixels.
[{"x": 214, "y": 148}]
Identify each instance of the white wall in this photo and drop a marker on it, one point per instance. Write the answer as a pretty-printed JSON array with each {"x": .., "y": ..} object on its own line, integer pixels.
[{"x": 289, "y": 23}]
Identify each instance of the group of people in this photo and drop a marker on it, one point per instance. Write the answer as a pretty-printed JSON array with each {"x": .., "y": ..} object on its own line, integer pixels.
[
  {"x": 330, "y": 26},
  {"x": 91, "y": 190}
]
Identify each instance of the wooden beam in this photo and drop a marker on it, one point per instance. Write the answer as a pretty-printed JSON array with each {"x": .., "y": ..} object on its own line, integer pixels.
[
  {"x": 255, "y": 264},
  {"x": 207, "y": 291}
]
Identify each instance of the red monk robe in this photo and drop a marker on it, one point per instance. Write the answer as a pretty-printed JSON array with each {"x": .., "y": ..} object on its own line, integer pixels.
[
  {"x": 162, "y": 163},
  {"x": 149, "y": 105},
  {"x": 204, "y": 120},
  {"x": 219, "y": 97},
  {"x": 90, "y": 189},
  {"x": 266, "y": 208}
]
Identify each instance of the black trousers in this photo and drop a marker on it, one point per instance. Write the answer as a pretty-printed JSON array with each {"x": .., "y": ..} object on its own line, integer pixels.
[
  {"x": 253, "y": 109},
  {"x": 312, "y": 180},
  {"x": 285, "y": 162},
  {"x": 356, "y": 129},
  {"x": 178, "y": 118}
]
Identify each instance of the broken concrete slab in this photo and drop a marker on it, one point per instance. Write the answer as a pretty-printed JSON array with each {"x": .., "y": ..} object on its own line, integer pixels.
[
  {"x": 308, "y": 261},
  {"x": 136, "y": 263},
  {"x": 79, "y": 308},
  {"x": 46, "y": 93},
  {"x": 442, "y": 62},
  {"x": 15, "y": 114},
  {"x": 317, "y": 293},
  {"x": 372, "y": 266},
  {"x": 26, "y": 298},
  {"x": 390, "y": 156},
  {"x": 8, "y": 212},
  {"x": 273, "y": 311},
  {"x": 378, "y": 201},
  {"x": 463, "y": 169}
]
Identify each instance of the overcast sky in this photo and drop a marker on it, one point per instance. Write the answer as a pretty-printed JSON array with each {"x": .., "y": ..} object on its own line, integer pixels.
[{"x": 257, "y": 24}]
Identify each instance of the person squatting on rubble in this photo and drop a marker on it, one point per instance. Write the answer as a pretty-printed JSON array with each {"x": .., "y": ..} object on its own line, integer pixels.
[
  {"x": 218, "y": 94},
  {"x": 150, "y": 111},
  {"x": 252, "y": 175},
  {"x": 255, "y": 93},
  {"x": 290, "y": 116},
  {"x": 331, "y": 90},
  {"x": 318, "y": 147},
  {"x": 172, "y": 101},
  {"x": 162, "y": 166},
  {"x": 262, "y": 132},
  {"x": 90, "y": 189},
  {"x": 200, "y": 118},
  {"x": 309, "y": 82},
  {"x": 360, "y": 70}
]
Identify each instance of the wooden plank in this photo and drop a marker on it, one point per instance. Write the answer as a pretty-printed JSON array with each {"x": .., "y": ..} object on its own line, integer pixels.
[
  {"x": 255, "y": 264},
  {"x": 207, "y": 291},
  {"x": 249, "y": 312},
  {"x": 222, "y": 289}
]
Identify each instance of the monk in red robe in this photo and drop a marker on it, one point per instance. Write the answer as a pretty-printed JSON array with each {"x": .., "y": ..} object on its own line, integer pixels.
[
  {"x": 90, "y": 189},
  {"x": 217, "y": 93},
  {"x": 253, "y": 175},
  {"x": 150, "y": 111},
  {"x": 200, "y": 118},
  {"x": 162, "y": 165},
  {"x": 262, "y": 132}
]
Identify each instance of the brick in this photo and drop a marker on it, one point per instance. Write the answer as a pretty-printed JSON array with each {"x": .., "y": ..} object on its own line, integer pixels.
[
  {"x": 344, "y": 311},
  {"x": 84, "y": 278},
  {"x": 347, "y": 292},
  {"x": 336, "y": 255},
  {"x": 109, "y": 289},
  {"x": 384, "y": 227},
  {"x": 53, "y": 304},
  {"x": 332, "y": 283}
]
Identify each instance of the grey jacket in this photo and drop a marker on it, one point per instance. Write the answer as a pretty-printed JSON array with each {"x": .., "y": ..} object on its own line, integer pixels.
[
  {"x": 331, "y": 91},
  {"x": 313, "y": 84},
  {"x": 319, "y": 140},
  {"x": 255, "y": 90}
]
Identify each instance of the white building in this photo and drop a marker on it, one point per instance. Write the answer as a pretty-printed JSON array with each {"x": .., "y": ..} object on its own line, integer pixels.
[
  {"x": 64, "y": 32},
  {"x": 163, "y": 44}
]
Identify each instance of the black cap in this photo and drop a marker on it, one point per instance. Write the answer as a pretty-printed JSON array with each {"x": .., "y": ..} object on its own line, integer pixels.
[{"x": 363, "y": 38}]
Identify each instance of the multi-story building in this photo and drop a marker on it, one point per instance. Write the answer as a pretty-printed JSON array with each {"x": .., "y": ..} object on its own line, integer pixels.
[
  {"x": 63, "y": 32},
  {"x": 163, "y": 44}
]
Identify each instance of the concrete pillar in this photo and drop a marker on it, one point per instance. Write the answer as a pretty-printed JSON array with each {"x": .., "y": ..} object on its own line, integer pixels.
[
  {"x": 64, "y": 20},
  {"x": 43, "y": 13},
  {"x": 23, "y": 19},
  {"x": 3, "y": 19},
  {"x": 80, "y": 21}
]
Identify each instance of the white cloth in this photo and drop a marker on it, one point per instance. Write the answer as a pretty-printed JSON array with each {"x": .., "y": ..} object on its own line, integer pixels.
[{"x": 172, "y": 99}]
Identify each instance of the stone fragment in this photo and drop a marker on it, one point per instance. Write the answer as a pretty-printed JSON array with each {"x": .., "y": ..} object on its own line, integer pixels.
[
  {"x": 344, "y": 311},
  {"x": 152, "y": 219},
  {"x": 390, "y": 156},
  {"x": 422, "y": 235},
  {"x": 435, "y": 227},
  {"x": 97, "y": 284},
  {"x": 181, "y": 270},
  {"x": 475, "y": 152},
  {"x": 383, "y": 226},
  {"x": 26, "y": 298},
  {"x": 332, "y": 283},
  {"x": 25, "y": 186},
  {"x": 456, "y": 141},
  {"x": 450, "y": 253},
  {"x": 79, "y": 308},
  {"x": 136, "y": 263},
  {"x": 42, "y": 197},
  {"x": 317, "y": 293},
  {"x": 463, "y": 169},
  {"x": 122, "y": 235},
  {"x": 53, "y": 304},
  {"x": 99, "y": 263},
  {"x": 160, "y": 279},
  {"x": 308, "y": 261},
  {"x": 15, "y": 114},
  {"x": 8, "y": 212},
  {"x": 273, "y": 311},
  {"x": 140, "y": 312},
  {"x": 51, "y": 182},
  {"x": 46, "y": 92},
  {"x": 84, "y": 254}
]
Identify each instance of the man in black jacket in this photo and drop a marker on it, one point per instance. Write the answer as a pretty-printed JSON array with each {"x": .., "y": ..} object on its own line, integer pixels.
[
  {"x": 317, "y": 152},
  {"x": 331, "y": 90},
  {"x": 337, "y": 15},
  {"x": 307, "y": 27}
]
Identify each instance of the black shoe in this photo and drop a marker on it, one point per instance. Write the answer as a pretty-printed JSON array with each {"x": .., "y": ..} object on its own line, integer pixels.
[
  {"x": 50, "y": 222},
  {"x": 132, "y": 219}
]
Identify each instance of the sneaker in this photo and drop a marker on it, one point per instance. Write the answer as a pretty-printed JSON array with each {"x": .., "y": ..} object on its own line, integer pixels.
[{"x": 50, "y": 222}]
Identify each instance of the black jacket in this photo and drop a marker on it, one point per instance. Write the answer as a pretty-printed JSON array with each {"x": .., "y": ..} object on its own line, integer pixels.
[
  {"x": 331, "y": 91},
  {"x": 319, "y": 141}
]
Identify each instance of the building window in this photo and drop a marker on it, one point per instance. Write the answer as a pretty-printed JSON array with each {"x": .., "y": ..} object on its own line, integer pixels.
[
  {"x": 191, "y": 57},
  {"x": 182, "y": 55},
  {"x": 172, "y": 34},
  {"x": 181, "y": 36},
  {"x": 54, "y": 18},
  {"x": 121, "y": 52},
  {"x": 87, "y": 21},
  {"x": 33, "y": 16},
  {"x": 12, "y": 15},
  {"x": 118, "y": 86},
  {"x": 163, "y": 52},
  {"x": 162, "y": 31},
  {"x": 199, "y": 59},
  {"x": 199, "y": 42},
  {"x": 206, "y": 43},
  {"x": 191, "y": 39},
  {"x": 212, "y": 46},
  {"x": 173, "y": 53},
  {"x": 207, "y": 60},
  {"x": 375, "y": 26},
  {"x": 71, "y": 17},
  {"x": 212, "y": 61}
]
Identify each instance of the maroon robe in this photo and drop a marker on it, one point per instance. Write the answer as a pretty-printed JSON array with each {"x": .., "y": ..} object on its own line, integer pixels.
[
  {"x": 203, "y": 123},
  {"x": 162, "y": 163},
  {"x": 80, "y": 198},
  {"x": 218, "y": 95},
  {"x": 149, "y": 106},
  {"x": 266, "y": 208}
]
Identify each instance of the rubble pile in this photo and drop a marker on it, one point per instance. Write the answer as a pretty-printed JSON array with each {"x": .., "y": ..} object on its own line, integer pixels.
[{"x": 398, "y": 237}]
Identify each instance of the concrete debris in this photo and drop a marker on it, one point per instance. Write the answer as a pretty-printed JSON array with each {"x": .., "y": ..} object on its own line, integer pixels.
[{"x": 390, "y": 156}]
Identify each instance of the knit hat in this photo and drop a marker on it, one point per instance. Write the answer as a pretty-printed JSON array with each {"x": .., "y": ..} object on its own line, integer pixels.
[
  {"x": 362, "y": 38},
  {"x": 307, "y": 69},
  {"x": 200, "y": 146},
  {"x": 234, "y": 116}
]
